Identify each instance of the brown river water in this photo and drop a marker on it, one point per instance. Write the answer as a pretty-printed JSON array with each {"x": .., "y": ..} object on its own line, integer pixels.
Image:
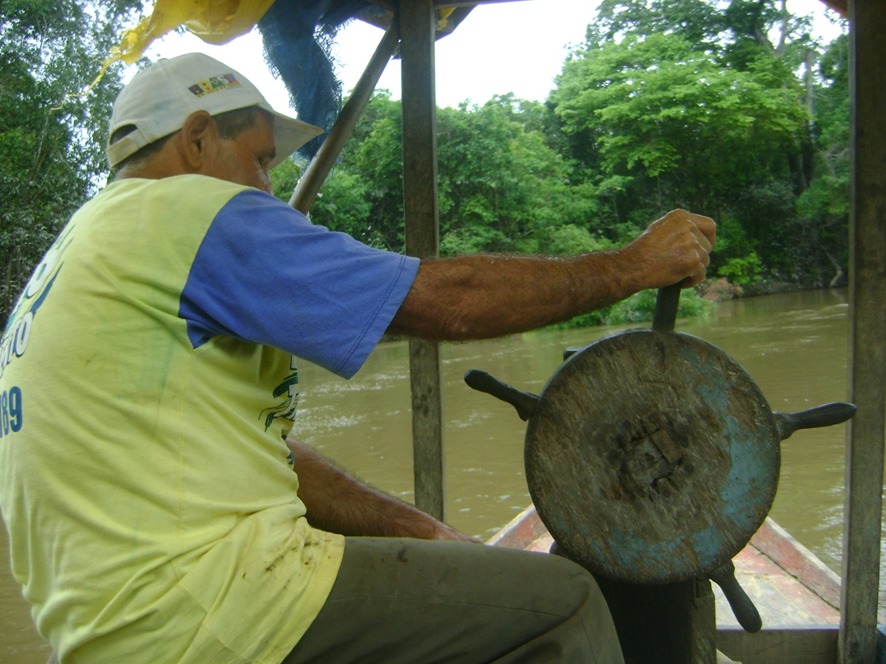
[{"x": 793, "y": 345}]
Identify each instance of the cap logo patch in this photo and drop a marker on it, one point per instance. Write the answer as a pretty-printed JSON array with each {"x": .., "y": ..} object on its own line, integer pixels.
[{"x": 214, "y": 84}]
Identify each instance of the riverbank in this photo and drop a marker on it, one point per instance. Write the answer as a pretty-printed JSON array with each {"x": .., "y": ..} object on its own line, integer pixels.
[{"x": 720, "y": 290}]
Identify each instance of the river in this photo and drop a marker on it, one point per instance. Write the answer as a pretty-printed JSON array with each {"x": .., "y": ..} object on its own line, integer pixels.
[{"x": 793, "y": 345}]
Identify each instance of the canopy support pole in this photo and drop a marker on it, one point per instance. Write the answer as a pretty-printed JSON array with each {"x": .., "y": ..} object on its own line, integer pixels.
[
  {"x": 867, "y": 344},
  {"x": 420, "y": 207}
]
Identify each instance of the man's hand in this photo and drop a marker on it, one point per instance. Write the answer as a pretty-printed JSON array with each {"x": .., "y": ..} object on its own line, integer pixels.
[{"x": 674, "y": 249}]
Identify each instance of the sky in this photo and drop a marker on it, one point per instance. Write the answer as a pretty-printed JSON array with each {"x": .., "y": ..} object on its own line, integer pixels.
[{"x": 502, "y": 47}]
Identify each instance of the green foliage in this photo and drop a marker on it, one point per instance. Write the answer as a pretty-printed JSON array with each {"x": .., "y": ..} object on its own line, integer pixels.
[
  {"x": 693, "y": 104},
  {"x": 51, "y": 155},
  {"x": 729, "y": 109},
  {"x": 590, "y": 319},
  {"x": 821, "y": 255},
  {"x": 284, "y": 178},
  {"x": 473, "y": 240},
  {"x": 732, "y": 242},
  {"x": 827, "y": 197},
  {"x": 742, "y": 271},
  {"x": 343, "y": 205},
  {"x": 697, "y": 20},
  {"x": 570, "y": 239},
  {"x": 374, "y": 159},
  {"x": 496, "y": 171},
  {"x": 673, "y": 121},
  {"x": 639, "y": 308}
]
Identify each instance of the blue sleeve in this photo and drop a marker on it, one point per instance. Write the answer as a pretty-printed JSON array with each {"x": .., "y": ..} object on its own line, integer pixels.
[{"x": 263, "y": 273}]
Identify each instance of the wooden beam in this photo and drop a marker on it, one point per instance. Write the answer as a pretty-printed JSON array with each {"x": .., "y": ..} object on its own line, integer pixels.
[
  {"x": 811, "y": 645},
  {"x": 417, "y": 33},
  {"x": 867, "y": 342}
]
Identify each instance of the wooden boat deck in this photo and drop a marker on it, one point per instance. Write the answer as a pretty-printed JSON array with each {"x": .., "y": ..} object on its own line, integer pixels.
[
  {"x": 798, "y": 597},
  {"x": 769, "y": 568}
]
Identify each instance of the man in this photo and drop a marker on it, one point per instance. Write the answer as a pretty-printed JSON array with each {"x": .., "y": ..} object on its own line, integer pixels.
[{"x": 148, "y": 388}]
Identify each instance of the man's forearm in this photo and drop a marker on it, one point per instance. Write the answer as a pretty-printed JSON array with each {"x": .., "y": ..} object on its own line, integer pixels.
[
  {"x": 339, "y": 503},
  {"x": 475, "y": 297},
  {"x": 479, "y": 297}
]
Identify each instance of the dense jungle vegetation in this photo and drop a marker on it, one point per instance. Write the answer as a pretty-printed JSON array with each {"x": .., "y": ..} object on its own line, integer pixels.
[{"x": 731, "y": 109}]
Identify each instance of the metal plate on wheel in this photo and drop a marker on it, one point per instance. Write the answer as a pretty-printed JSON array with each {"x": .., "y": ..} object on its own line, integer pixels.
[{"x": 652, "y": 457}]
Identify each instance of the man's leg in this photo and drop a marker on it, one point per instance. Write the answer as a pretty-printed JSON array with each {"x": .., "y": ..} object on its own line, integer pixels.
[{"x": 419, "y": 602}]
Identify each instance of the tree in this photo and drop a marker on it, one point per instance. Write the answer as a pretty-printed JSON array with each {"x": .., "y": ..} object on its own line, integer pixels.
[
  {"x": 51, "y": 136},
  {"x": 503, "y": 188},
  {"x": 696, "y": 21},
  {"x": 824, "y": 207},
  {"x": 372, "y": 163},
  {"x": 674, "y": 102}
]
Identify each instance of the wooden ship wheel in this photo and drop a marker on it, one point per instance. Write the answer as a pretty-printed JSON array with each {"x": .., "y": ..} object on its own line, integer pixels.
[{"x": 652, "y": 457}]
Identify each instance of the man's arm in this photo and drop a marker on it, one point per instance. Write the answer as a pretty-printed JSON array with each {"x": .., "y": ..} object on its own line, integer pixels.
[
  {"x": 486, "y": 296},
  {"x": 338, "y": 503},
  {"x": 475, "y": 297}
]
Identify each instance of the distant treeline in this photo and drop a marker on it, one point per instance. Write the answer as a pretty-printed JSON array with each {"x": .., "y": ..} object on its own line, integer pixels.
[{"x": 737, "y": 112}]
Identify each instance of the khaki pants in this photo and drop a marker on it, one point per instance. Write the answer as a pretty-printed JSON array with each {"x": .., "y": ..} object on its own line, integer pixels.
[{"x": 418, "y": 602}]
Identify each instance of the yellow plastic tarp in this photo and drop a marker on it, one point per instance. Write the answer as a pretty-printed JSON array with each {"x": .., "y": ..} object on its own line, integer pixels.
[{"x": 214, "y": 21}]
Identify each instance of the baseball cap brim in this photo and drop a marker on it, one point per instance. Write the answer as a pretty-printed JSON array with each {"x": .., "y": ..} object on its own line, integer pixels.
[{"x": 289, "y": 135}]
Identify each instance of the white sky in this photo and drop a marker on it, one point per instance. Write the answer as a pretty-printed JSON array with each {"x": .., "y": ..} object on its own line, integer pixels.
[{"x": 502, "y": 47}]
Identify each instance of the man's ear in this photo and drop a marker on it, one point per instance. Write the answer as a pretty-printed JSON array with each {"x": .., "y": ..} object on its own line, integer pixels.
[{"x": 197, "y": 139}]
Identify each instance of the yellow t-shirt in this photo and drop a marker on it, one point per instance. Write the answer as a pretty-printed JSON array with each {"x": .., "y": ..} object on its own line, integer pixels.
[{"x": 144, "y": 481}]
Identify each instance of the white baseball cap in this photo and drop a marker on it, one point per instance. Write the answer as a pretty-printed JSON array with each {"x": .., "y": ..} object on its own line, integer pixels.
[{"x": 158, "y": 100}]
